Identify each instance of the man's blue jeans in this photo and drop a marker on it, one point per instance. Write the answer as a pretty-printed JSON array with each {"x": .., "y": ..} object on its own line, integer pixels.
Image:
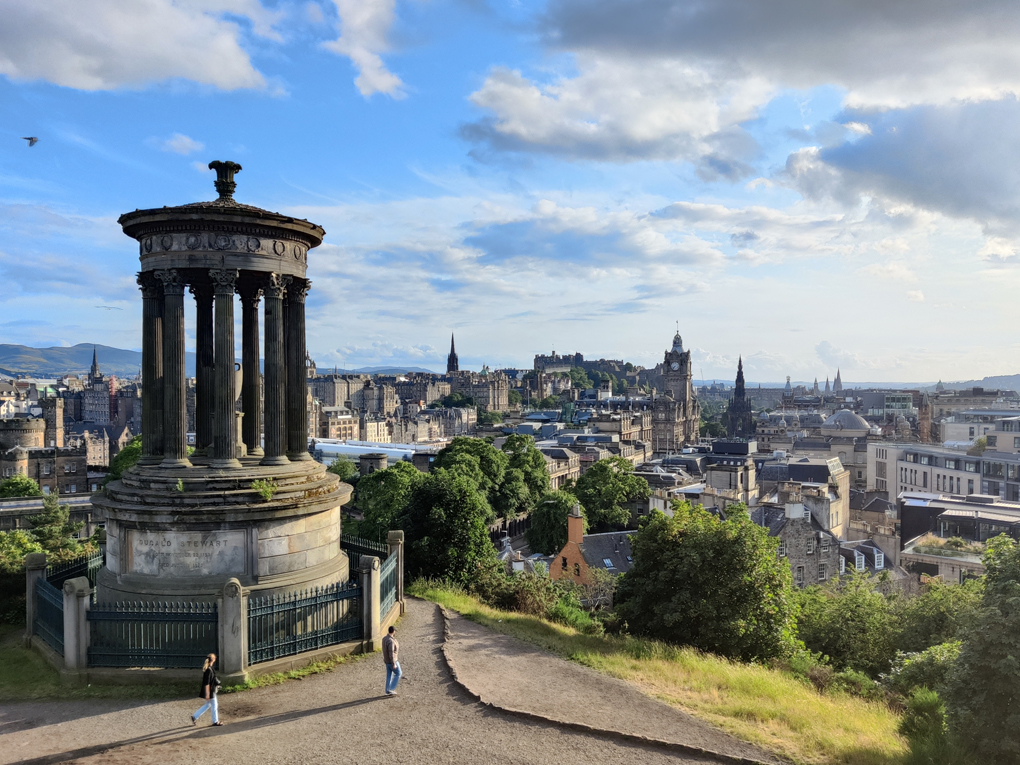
[{"x": 393, "y": 674}]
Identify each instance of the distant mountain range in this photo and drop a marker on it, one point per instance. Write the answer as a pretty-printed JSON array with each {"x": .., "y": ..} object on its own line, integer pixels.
[
  {"x": 20, "y": 360},
  {"x": 73, "y": 360}
]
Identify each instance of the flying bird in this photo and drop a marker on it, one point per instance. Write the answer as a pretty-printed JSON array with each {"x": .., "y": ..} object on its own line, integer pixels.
[
  {"x": 109, "y": 307},
  {"x": 32, "y": 140}
]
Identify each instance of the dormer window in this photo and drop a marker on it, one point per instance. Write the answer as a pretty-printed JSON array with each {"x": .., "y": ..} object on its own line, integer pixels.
[
  {"x": 842, "y": 564},
  {"x": 879, "y": 560},
  {"x": 859, "y": 560}
]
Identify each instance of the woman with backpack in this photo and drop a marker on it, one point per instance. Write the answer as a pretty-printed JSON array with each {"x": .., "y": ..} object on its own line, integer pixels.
[{"x": 210, "y": 687}]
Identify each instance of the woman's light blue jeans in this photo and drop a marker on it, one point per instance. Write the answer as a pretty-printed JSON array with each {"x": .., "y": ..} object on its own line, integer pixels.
[{"x": 210, "y": 704}]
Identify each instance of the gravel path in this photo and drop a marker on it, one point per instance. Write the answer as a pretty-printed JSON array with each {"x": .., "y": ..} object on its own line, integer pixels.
[
  {"x": 337, "y": 717},
  {"x": 494, "y": 667}
]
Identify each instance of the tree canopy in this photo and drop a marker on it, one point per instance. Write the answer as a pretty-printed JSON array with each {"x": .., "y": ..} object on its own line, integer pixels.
[
  {"x": 712, "y": 584},
  {"x": 54, "y": 530},
  {"x": 344, "y": 467},
  {"x": 579, "y": 379},
  {"x": 383, "y": 495},
  {"x": 547, "y": 532},
  {"x": 983, "y": 689},
  {"x": 606, "y": 488},
  {"x": 514, "y": 397},
  {"x": 445, "y": 525},
  {"x": 525, "y": 457},
  {"x": 127, "y": 457},
  {"x": 19, "y": 486}
]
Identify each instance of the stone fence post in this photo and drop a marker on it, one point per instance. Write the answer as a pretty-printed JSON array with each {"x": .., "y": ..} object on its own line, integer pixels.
[
  {"x": 76, "y": 626},
  {"x": 35, "y": 569},
  {"x": 371, "y": 607},
  {"x": 232, "y": 605},
  {"x": 395, "y": 542}
]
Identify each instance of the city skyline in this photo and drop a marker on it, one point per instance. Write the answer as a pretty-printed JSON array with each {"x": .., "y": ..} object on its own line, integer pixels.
[{"x": 540, "y": 176}]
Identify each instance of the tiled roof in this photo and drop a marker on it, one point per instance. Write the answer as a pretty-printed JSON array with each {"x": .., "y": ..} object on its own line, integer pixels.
[{"x": 614, "y": 546}]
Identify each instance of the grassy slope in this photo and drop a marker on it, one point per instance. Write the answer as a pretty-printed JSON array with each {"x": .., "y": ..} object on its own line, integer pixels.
[{"x": 767, "y": 707}]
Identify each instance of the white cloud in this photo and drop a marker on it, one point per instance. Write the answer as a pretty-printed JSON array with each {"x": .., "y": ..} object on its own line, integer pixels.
[
  {"x": 896, "y": 269},
  {"x": 103, "y": 45},
  {"x": 364, "y": 25},
  {"x": 888, "y": 54},
  {"x": 916, "y": 296},
  {"x": 178, "y": 143},
  {"x": 622, "y": 109}
]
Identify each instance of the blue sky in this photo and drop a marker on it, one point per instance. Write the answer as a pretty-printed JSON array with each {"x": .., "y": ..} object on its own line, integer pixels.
[{"x": 812, "y": 185}]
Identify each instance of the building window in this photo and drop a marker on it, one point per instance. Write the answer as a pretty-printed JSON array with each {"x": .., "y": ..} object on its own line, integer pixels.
[
  {"x": 782, "y": 549},
  {"x": 74, "y": 467},
  {"x": 925, "y": 459},
  {"x": 971, "y": 434},
  {"x": 67, "y": 468},
  {"x": 825, "y": 545},
  {"x": 860, "y": 475},
  {"x": 842, "y": 564},
  {"x": 821, "y": 572},
  {"x": 799, "y": 576},
  {"x": 564, "y": 562},
  {"x": 74, "y": 488},
  {"x": 992, "y": 440},
  {"x": 970, "y": 467},
  {"x": 924, "y": 479},
  {"x": 45, "y": 489},
  {"x": 859, "y": 561},
  {"x": 607, "y": 562},
  {"x": 879, "y": 560},
  {"x": 950, "y": 464},
  {"x": 811, "y": 547},
  {"x": 46, "y": 469},
  {"x": 577, "y": 569},
  {"x": 95, "y": 487}
]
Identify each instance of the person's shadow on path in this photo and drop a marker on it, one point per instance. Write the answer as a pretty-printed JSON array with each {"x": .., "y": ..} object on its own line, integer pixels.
[{"x": 174, "y": 734}]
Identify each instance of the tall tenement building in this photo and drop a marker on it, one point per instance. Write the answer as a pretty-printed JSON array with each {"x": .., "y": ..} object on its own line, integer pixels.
[{"x": 676, "y": 413}]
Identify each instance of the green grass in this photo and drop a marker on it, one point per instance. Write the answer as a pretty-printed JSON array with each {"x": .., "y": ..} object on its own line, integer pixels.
[
  {"x": 276, "y": 678},
  {"x": 25, "y": 676},
  {"x": 768, "y": 707}
]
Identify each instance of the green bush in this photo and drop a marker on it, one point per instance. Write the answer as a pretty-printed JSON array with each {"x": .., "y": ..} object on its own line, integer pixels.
[
  {"x": 19, "y": 486},
  {"x": 928, "y": 668}
]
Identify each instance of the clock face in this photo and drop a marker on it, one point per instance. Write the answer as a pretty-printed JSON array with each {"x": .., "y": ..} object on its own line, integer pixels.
[{"x": 675, "y": 365}]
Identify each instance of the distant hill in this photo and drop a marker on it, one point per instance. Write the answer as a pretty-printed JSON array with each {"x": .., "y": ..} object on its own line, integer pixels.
[
  {"x": 1000, "y": 382},
  {"x": 73, "y": 360}
]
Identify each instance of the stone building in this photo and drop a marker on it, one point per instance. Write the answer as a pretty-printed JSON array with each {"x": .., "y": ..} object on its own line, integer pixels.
[
  {"x": 96, "y": 398},
  {"x": 373, "y": 427},
  {"x": 739, "y": 418},
  {"x": 375, "y": 398},
  {"x": 676, "y": 418},
  {"x": 338, "y": 422},
  {"x": 811, "y": 550},
  {"x": 583, "y": 552},
  {"x": 563, "y": 465},
  {"x": 490, "y": 390},
  {"x": 54, "y": 468},
  {"x": 422, "y": 387}
]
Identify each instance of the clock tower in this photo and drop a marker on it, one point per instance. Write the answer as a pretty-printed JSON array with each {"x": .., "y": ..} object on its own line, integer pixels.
[{"x": 676, "y": 415}]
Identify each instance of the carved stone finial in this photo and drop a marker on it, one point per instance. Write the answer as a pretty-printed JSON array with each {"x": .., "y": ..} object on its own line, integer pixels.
[{"x": 225, "y": 177}]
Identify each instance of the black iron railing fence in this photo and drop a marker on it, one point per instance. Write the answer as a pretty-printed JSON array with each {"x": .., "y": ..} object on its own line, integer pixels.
[
  {"x": 152, "y": 634},
  {"x": 285, "y": 625}
]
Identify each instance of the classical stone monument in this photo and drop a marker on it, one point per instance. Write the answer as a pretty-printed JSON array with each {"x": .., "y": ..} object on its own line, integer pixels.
[{"x": 260, "y": 510}]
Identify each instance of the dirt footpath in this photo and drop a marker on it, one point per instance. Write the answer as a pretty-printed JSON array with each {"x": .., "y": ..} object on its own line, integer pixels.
[
  {"x": 515, "y": 675},
  {"x": 338, "y": 717}
]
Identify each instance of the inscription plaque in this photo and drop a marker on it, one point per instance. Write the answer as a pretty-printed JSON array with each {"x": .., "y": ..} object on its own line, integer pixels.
[{"x": 186, "y": 553}]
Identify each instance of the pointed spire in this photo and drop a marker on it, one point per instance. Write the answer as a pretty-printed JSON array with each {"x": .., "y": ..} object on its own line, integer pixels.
[{"x": 452, "y": 363}]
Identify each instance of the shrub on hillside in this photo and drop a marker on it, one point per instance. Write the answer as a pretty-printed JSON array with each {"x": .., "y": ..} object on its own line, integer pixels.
[
  {"x": 928, "y": 668},
  {"x": 983, "y": 688},
  {"x": 712, "y": 584}
]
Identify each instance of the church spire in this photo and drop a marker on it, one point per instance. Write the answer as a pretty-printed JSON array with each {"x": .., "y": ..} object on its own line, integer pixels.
[
  {"x": 94, "y": 371},
  {"x": 452, "y": 363}
]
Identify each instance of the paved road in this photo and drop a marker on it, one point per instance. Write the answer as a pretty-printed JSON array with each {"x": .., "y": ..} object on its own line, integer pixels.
[{"x": 341, "y": 716}]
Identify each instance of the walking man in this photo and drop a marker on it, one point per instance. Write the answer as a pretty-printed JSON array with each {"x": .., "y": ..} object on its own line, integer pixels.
[{"x": 390, "y": 647}]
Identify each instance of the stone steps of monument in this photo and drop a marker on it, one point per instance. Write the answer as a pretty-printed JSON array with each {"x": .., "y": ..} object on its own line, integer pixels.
[{"x": 220, "y": 495}]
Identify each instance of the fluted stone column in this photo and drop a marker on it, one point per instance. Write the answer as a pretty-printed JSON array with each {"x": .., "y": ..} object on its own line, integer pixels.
[
  {"x": 275, "y": 391},
  {"x": 152, "y": 369},
  {"x": 251, "y": 401},
  {"x": 297, "y": 383},
  {"x": 224, "y": 446},
  {"x": 204, "y": 392},
  {"x": 175, "y": 446}
]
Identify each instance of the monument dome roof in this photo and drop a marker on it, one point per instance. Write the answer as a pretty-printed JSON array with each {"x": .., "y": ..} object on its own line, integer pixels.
[{"x": 846, "y": 420}]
